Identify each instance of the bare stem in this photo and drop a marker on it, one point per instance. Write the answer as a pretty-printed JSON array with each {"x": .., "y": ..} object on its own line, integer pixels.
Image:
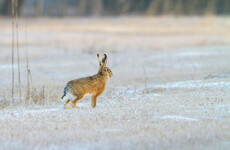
[
  {"x": 43, "y": 94},
  {"x": 27, "y": 72},
  {"x": 12, "y": 51},
  {"x": 18, "y": 55},
  {"x": 145, "y": 76}
]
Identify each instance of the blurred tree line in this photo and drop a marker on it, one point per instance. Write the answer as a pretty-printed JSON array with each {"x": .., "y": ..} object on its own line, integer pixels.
[{"x": 116, "y": 7}]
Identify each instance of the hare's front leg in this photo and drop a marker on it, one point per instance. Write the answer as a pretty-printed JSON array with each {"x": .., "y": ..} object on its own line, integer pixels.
[{"x": 94, "y": 101}]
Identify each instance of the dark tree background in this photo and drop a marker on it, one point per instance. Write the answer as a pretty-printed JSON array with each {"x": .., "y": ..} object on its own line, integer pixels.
[
  {"x": 5, "y": 7},
  {"x": 116, "y": 7}
]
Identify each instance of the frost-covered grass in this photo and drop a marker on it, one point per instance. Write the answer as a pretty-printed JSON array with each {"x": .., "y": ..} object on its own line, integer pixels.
[
  {"x": 170, "y": 88},
  {"x": 124, "y": 118},
  {"x": 161, "y": 116}
]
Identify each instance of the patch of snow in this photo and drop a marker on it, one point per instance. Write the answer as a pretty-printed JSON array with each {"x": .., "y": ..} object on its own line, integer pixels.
[
  {"x": 110, "y": 130},
  {"x": 184, "y": 118},
  {"x": 192, "y": 84}
]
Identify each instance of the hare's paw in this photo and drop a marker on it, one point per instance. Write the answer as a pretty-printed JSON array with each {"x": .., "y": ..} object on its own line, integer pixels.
[
  {"x": 67, "y": 103},
  {"x": 74, "y": 105},
  {"x": 67, "y": 107}
]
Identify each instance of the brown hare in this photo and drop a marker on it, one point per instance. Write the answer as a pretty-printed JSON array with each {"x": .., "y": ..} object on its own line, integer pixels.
[{"x": 76, "y": 89}]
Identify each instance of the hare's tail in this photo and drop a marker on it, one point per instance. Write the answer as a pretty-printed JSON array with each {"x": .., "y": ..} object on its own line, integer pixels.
[{"x": 65, "y": 93}]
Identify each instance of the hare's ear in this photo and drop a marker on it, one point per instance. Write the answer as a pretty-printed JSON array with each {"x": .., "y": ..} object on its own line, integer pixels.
[
  {"x": 99, "y": 59},
  {"x": 104, "y": 60}
]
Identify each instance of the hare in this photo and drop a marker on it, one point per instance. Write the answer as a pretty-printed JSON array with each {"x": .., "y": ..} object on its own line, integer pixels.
[{"x": 76, "y": 89}]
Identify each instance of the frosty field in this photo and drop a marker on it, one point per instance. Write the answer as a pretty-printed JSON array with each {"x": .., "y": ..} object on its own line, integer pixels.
[{"x": 170, "y": 89}]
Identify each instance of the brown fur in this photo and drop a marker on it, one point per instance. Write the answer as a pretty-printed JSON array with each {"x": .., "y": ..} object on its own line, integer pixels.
[{"x": 94, "y": 85}]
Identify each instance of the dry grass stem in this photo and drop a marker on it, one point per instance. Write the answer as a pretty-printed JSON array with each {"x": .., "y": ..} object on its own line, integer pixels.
[
  {"x": 12, "y": 46},
  {"x": 18, "y": 53}
]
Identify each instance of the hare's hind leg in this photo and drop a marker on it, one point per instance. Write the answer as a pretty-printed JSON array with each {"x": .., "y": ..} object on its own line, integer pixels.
[
  {"x": 67, "y": 103},
  {"x": 68, "y": 96},
  {"x": 76, "y": 100}
]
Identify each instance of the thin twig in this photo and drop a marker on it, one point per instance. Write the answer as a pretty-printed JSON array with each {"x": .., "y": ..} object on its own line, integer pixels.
[
  {"x": 145, "y": 76},
  {"x": 43, "y": 94},
  {"x": 12, "y": 51},
  {"x": 27, "y": 72},
  {"x": 30, "y": 78},
  {"x": 194, "y": 72},
  {"x": 18, "y": 55}
]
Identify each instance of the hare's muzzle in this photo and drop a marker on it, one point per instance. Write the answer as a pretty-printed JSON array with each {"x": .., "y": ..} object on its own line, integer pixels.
[{"x": 110, "y": 74}]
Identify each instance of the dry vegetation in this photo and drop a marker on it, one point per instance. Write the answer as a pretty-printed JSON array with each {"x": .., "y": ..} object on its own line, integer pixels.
[{"x": 170, "y": 88}]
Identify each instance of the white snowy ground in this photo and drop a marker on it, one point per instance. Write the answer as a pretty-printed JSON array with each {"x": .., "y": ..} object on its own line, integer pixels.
[{"x": 170, "y": 89}]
